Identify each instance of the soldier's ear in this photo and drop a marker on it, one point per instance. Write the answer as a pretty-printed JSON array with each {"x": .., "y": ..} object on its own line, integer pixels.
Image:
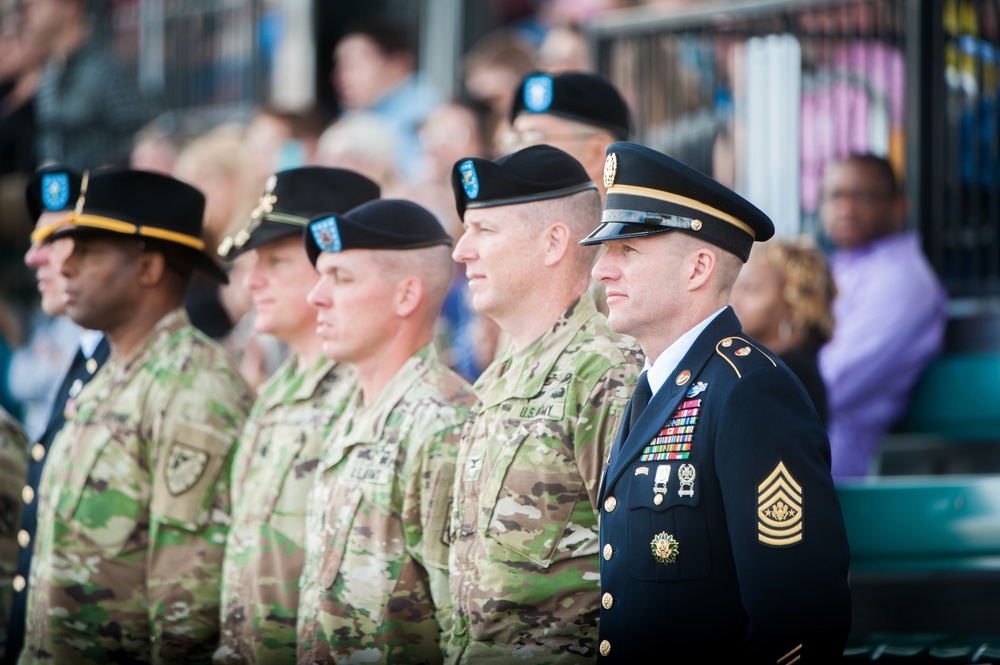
[
  {"x": 409, "y": 295},
  {"x": 702, "y": 265},
  {"x": 557, "y": 238},
  {"x": 151, "y": 267}
]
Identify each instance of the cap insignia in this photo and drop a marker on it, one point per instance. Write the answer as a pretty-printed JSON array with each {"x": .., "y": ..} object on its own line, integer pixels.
[
  {"x": 55, "y": 190},
  {"x": 225, "y": 246},
  {"x": 696, "y": 225},
  {"x": 470, "y": 179},
  {"x": 538, "y": 93},
  {"x": 326, "y": 234},
  {"x": 83, "y": 192},
  {"x": 610, "y": 169}
]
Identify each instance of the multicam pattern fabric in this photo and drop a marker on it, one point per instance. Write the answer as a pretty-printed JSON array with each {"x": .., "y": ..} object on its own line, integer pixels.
[
  {"x": 524, "y": 553},
  {"x": 273, "y": 471},
  {"x": 375, "y": 584},
  {"x": 13, "y": 472},
  {"x": 134, "y": 508}
]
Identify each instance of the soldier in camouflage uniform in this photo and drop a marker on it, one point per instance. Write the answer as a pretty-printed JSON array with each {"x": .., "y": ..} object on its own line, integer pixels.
[
  {"x": 13, "y": 469},
  {"x": 276, "y": 459},
  {"x": 134, "y": 500},
  {"x": 524, "y": 555},
  {"x": 375, "y": 584}
]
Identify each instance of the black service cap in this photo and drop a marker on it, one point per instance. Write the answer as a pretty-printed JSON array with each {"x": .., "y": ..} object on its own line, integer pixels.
[
  {"x": 139, "y": 203},
  {"x": 378, "y": 224},
  {"x": 579, "y": 96},
  {"x": 52, "y": 188},
  {"x": 294, "y": 196},
  {"x": 649, "y": 193},
  {"x": 536, "y": 173}
]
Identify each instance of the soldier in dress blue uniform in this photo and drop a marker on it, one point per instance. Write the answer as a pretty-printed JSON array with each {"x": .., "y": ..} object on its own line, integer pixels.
[{"x": 721, "y": 533}]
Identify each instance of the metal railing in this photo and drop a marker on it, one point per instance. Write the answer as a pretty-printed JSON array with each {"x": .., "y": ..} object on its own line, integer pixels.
[{"x": 762, "y": 95}]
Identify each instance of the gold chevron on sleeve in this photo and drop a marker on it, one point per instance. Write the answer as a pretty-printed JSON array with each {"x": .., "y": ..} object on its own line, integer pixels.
[{"x": 779, "y": 509}]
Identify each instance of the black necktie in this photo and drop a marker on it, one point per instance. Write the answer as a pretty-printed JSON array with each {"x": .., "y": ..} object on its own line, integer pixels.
[{"x": 640, "y": 398}]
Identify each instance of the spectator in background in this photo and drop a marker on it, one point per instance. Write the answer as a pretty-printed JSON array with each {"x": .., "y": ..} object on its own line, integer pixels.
[
  {"x": 269, "y": 146},
  {"x": 565, "y": 49},
  {"x": 88, "y": 106},
  {"x": 156, "y": 146},
  {"x": 492, "y": 69},
  {"x": 365, "y": 142},
  {"x": 462, "y": 128},
  {"x": 20, "y": 71},
  {"x": 887, "y": 296},
  {"x": 212, "y": 163},
  {"x": 783, "y": 297},
  {"x": 375, "y": 70}
]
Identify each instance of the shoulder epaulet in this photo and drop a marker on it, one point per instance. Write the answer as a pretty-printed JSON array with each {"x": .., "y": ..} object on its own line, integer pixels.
[{"x": 743, "y": 354}]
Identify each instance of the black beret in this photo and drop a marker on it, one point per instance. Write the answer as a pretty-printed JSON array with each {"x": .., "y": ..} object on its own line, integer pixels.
[
  {"x": 143, "y": 204},
  {"x": 578, "y": 96},
  {"x": 379, "y": 224},
  {"x": 536, "y": 173},
  {"x": 52, "y": 188},
  {"x": 649, "y": 193},
  {"x": 293, "y": 197}
]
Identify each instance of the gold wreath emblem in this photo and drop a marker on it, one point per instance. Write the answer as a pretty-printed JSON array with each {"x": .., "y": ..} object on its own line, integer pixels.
[
  {"x": 664, "y": 548},
  {"x": 610, "y": 169}
]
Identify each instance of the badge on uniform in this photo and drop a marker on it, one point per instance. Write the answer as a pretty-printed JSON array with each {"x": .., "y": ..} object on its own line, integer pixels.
[
  {"x": 326, "y": 234},
  {"x": 184, "y": 467},
  {"x": 696, "y": 389},
  {"x": 470, "y": 179},
  {"x": 685, "y": 476},
  {"x": 660, "y": 481},
  {"x": 55, "y": 190},
  {"x": 779, "y": 509},
  {"x": 538, "y": 93},
  {"x": 664, "y": 547}
]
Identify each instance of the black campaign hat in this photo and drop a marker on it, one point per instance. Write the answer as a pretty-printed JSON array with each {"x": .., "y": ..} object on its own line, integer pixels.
[
  {"x": 143, "y": 204},
  {"x": 294, "y": 196},
  {"x": 579, "y": 96},
  {"x": 649, "y": 193},
  {"x": 535, "y": 173},
  {"x": 379, "y": 224},
  {"x": 52, "y": 188}
]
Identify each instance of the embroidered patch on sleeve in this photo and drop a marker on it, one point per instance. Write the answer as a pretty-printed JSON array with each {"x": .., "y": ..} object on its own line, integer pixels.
[{"x": 779, "y": 509}]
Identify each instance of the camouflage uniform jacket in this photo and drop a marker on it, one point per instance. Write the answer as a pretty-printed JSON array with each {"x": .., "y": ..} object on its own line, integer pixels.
[
  {"x": 273, "y": 470},
  {"x": 375, "y": 584},
  {"x": 134, "y": 507},
  {"x": 13, "y": 473},
  {"x": 524, "y": 554}
]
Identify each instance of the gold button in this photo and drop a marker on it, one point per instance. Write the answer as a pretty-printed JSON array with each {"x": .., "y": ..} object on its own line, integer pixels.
[
  {"x": 658, "y": 499},
  {"x": 605, "y": 647},
  {"x": 23, "y": 538},
  {"x": 91, "y": 365},
  {"x": 607, "y": 601},
  {"x": 37, "y": 452},
  {"x": 19, "y": 583},
  {"x": 608, "y": 552},
  {"x": 27, "y": 494},
  {"x": 610, "y": 504}
]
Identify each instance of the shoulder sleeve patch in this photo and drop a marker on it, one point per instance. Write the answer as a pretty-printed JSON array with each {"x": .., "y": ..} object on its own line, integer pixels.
[
  {"x": 186, "y": 475},
  {"x": 742, "y": 354},
  {"x": 779, "y": 509}
]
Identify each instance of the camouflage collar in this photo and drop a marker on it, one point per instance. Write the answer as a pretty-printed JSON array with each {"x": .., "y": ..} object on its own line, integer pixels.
[
  {"x": 289, "y": 385},
  {"x": 524, "y": 372}
]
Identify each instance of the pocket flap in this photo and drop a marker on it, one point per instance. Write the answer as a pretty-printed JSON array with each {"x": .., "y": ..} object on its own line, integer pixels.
[{"x": 187, "y": 470}]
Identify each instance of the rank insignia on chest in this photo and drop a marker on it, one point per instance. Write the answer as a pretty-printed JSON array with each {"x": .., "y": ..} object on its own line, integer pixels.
[
  {"x": 184, "y": 467},
  {"x": 664, "y": 547},
  {"x": 779, "y": 509},
  {"x": 674, "y": 440}
]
